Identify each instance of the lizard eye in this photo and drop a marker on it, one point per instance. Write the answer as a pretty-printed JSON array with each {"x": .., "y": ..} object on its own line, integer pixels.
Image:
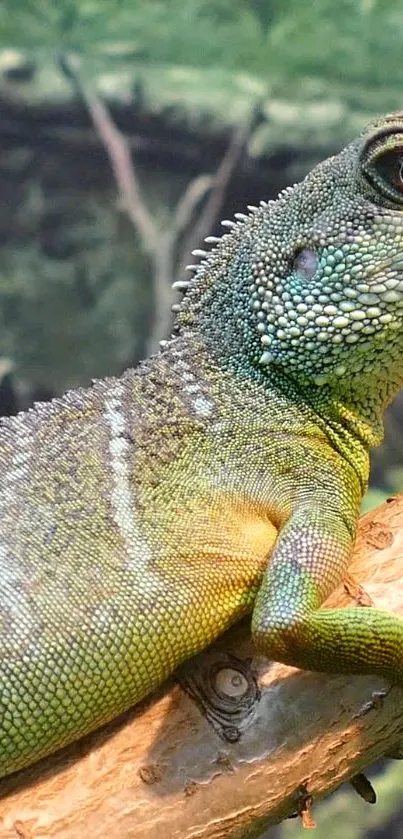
[{"x": 382, "y": 165}]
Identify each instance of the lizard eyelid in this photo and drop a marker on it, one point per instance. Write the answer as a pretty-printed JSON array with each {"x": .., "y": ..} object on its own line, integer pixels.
[{"x": 382, "y": 165}]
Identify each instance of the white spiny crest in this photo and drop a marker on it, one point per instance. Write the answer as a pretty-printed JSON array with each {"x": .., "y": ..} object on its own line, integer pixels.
[
  {"x": 180, "y": 285},
  {"x": 204, "y": 255},
  {"x": 286, "y": 191}
]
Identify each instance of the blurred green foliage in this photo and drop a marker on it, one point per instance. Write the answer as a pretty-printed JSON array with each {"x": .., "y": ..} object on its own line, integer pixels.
[{"x": 358, "y": 40}]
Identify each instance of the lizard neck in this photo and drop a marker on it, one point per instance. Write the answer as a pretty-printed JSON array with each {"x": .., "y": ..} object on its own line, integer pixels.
[
  {"x": 352, "y": 426},
  {"x": 262, "y": 398},
  {"x": 357, "y": 402},
  {"x": 216, "y": 308}
]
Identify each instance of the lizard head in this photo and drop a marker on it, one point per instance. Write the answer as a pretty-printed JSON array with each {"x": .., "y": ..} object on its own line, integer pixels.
[
  {"x": 310, "y": 286},
  {"x": 335, "y": 307}
]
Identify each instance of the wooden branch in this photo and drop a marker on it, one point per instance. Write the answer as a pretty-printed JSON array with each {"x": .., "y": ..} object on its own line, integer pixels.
[
  {"x": 159, "y": 244},
  {"x": 236, "y": 743},
  {"x": 193, "y": 194},
  {"x": 117, "y": 148},
  {"x": 220, "y": 183}
]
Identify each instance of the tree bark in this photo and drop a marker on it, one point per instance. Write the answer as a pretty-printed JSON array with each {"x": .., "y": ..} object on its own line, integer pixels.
[{"x": 233, "y": 744}]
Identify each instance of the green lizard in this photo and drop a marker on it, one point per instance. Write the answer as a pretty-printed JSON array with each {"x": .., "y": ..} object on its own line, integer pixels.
[{"x": 140, "y": 518}]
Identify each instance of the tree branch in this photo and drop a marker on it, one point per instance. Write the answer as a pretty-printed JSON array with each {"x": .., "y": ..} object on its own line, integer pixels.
[
  {"x": 118, "y": 151},
  {"x": 188, "y": 202},
  {"x": 159, "y": 244},
  {"x": 220, "y": 183},
  {"x": 238, "y": 743}
]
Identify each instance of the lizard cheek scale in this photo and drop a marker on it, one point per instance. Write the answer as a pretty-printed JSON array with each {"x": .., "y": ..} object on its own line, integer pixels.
[{"x": 141, "y": 517}]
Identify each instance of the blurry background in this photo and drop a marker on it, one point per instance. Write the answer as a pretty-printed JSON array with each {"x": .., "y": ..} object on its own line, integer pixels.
[{"x": 127, "y": 130}]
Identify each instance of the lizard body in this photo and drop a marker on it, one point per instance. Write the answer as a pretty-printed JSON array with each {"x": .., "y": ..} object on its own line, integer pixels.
[{"x": 141, "y": 517}]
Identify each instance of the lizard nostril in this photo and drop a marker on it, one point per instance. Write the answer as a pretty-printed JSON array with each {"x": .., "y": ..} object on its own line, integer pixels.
[{"x": 305, "y": 263}]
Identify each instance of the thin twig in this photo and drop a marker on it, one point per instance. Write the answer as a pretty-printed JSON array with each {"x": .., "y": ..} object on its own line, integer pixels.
[
  {"x": 221, "y": 180},
  {"x": 194, "y": 193},
  {"x": 118, "y": 151}
]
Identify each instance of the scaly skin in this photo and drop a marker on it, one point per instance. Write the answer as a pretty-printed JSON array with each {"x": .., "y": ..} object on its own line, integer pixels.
[{"x": 142, "y": 517}]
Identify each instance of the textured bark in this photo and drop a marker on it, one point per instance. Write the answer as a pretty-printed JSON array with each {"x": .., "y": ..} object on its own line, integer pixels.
[{"x": 232, "y": 747}]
